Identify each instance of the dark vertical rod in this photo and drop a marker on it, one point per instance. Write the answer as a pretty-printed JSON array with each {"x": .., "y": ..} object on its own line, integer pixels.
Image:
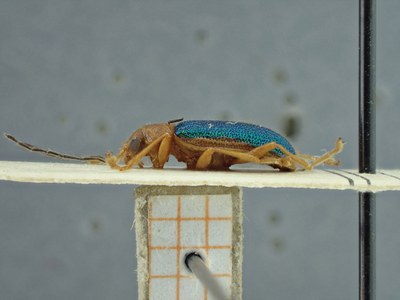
[
  {"x": 367, "y": 280},
  {"x": 367, "y": 146},
  {"x": 367, "y": 39}
]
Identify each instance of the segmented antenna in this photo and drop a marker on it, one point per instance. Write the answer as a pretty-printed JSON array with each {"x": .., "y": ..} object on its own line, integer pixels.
[{"x": 51, "y": 153}]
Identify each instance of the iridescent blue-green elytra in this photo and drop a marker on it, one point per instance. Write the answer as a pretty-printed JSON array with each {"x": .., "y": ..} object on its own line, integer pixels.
[{"x": 253, "y": 135}]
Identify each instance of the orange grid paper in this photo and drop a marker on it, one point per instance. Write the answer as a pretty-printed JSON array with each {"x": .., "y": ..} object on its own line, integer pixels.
[{"x": 183, "y": 223}]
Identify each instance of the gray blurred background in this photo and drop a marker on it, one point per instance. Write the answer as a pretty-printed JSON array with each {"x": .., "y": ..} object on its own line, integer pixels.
[{"x": 80, "y": 76}]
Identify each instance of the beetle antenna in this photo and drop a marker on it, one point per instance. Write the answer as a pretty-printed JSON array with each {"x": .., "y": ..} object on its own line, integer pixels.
[
  {"x": 175, "y": 121},
  {"x": 51, "y": 153}
]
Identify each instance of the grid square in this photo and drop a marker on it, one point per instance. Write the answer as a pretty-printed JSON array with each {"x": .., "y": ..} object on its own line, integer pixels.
[
  {"x": 163, "y": 262},
  {"x": 220, "y": 206},
  {"x": 163, "y": 233},
  {"x": 193, "y": 206},
  {"x": 191, "y": 288},
  {"x": 220, "y": 261},
  {"x": 220, "y": 233},
  {"x": 162, "y": 288},
  {"x": 165, "y": 206},
  {"x": 193, "y": 233}
]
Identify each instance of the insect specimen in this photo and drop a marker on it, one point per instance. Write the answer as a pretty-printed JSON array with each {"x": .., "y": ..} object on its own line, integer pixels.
[{"x": 203, "y": 145}]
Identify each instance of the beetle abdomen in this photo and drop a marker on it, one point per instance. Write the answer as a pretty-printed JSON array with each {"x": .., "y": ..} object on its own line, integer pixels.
[{"x": 250, "y": 134}]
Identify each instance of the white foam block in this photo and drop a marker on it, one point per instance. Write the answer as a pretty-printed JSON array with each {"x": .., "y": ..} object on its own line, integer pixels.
[{"x": 173, "y": 222}]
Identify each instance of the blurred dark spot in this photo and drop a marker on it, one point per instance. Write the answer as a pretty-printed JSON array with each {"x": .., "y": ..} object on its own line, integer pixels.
[
  {"x": 280, "y": 76},
  {"x": 274, "y": 217},
  {"x": 291, "y": 126},
  {"x": 102, "y": 127},
  {"x": 278, "y": 244},
  {"x": 224, "y": 116},
  {"x": 118, "y": 77},
  {"x": 96, "y": 225},
  {"x": 62, "y": 118},
  {"x": 290, "y": 98},
  {"x": 200, "y": 36},
  {"x": 291, "y": 120}
]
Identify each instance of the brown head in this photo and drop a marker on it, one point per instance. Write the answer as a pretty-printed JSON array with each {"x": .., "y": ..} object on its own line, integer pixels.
[{"x": 143, "y": 137}]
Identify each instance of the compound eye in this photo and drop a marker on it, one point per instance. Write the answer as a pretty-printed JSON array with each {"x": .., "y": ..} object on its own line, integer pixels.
[{"x": 134, "y": 146}]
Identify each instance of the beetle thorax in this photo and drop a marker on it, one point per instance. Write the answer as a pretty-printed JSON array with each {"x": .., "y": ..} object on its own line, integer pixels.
[{"x": 153, "y": 131}]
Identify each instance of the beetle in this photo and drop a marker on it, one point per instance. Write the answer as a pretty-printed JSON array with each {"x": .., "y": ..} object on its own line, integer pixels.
[{"x": 204, "y": 145}]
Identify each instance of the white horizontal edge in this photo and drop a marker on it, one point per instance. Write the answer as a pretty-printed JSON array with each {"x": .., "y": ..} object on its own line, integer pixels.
[{"x": 335, "y": 179}]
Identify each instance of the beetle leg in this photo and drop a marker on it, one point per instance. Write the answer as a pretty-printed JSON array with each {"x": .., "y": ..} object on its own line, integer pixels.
[
  {"x": 301, "y": 158},
  {"x": 135, "y": 160},
  {"x": 206, "y": 157},
  {"x": 281, "y": 163},
  {"x": 331, "y": 161},
  {"x": 261, "y": 152},
  {"x": 327, "y": 157},
  {"x": 123, "y": 151},
  {"x": 264, "y": 149},
  {"x": 270, "y": 161},
  {"x": 114, "y": 160},
  {"x": 163, "y": 152}
]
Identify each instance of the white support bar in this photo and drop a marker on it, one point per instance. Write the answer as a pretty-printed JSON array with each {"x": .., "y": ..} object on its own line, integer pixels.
[{"x": 336, "y": 179}]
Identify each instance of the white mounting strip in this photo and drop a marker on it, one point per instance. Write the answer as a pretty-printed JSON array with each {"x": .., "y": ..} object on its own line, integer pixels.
[{"x": 337, "y": 179}]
